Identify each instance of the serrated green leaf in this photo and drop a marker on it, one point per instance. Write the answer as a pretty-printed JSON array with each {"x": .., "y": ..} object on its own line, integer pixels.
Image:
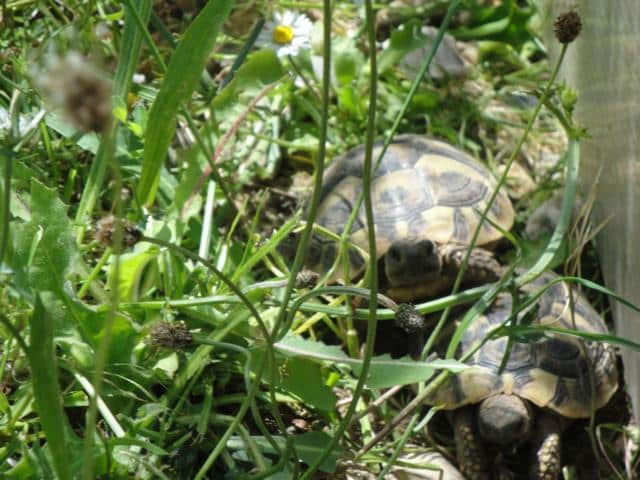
[
  {"x": 304, "y": 379},
  {"x": 260, "y": 69},
  {"x": 387, "y": 372},
  {"x": 43, "y": 248},
  {"x": 183, "y": 74},
  {"x": 295, "y": 345},
  {"x": 384, "y": 371}
]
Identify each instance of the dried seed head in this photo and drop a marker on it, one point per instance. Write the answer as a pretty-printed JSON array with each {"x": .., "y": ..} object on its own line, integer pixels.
[
  {"x": 73, "y": 84},
  {"x": 306, "y": 279},
  {"x": 106, "y": 229},
  {"x": 567, "y": 26},
  {"x": 408, "y": 318},
  {"x": 174, "y": 336}
]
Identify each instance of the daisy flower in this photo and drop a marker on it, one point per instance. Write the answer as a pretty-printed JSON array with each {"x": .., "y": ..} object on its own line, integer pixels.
[{"x": 287, "y": 33}]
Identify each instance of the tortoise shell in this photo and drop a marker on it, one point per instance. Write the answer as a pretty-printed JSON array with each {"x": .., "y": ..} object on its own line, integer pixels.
[
  {"x": 553, "y": 372},
  {"x": 422, "y": 189}
]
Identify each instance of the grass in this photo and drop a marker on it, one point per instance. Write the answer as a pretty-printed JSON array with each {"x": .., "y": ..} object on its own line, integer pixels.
[{"x": 176, "y": 342}]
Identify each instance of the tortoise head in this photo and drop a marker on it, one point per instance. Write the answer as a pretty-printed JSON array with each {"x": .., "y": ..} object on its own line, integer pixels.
[
  {"x": 504, "y": 419},
  {"x": 410, "y": 263}
]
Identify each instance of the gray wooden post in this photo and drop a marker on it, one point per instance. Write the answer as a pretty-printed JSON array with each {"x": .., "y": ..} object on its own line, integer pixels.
[{"x": 603, "y": 65}]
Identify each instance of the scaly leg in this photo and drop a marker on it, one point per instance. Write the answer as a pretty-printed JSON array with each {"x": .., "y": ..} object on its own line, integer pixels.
[
  {"x": 547, "y": 464},
  {"x": 472, "y": 459},
  {"x": 482, "y": 267}
]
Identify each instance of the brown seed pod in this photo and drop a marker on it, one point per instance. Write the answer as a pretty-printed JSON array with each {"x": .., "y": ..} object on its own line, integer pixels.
[
  {"x": 567, "y": 26},
  {"x": 409, "y": 319},
  {"x": 106, "y": 228},
  {"x": 306, "y": 279},
  {"x": 174, "y": 336}
]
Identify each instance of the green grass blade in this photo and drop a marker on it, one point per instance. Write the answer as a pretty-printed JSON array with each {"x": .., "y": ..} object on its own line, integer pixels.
[
  {"x": 130, "y": 51},
  {"x": 264, "y": 250},
  {"x": 568, "y": 200},
  {"x": 535, "y": 331},
  {"x": 129, "y": 54},
  {"x": 46, "y": 391},
  {"x": 183, "y": 74},
  {"x": 6, "y": 166}
]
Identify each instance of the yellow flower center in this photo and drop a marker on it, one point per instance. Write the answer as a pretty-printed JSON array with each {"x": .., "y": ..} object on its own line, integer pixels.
[{"x": 283, "y": 34}]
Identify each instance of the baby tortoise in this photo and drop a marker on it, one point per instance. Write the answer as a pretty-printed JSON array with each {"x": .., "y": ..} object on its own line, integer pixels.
[
  {"x": 544, "y": 382},
  {"x": 427, "y": 200}
]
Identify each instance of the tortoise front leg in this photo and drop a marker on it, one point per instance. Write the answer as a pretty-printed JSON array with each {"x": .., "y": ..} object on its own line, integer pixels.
[
  {"x": 482, "y": 267},
  {"x": 546, "y": 465},
  {"x": 472, "y": 459}
]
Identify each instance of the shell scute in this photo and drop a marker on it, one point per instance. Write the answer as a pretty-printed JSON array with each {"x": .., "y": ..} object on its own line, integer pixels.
[
  {"x": 423, "y": 189},
  {"x": 555, "y": 371}
]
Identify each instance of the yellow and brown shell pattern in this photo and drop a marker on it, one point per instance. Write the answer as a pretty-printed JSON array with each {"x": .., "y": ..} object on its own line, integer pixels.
[
  {"x": 553, "y": 372},
  {"x": 422, "y": 189}
]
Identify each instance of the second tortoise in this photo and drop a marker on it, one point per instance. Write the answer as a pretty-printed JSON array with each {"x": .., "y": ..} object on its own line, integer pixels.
[{"x": 528, "y": 391}]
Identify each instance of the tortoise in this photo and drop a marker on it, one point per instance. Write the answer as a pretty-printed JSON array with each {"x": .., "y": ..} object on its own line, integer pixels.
[
  {"x": 427, "y": 200},
  {"x": 452, "y": 59},
  {"x": 542, "y": 386}
]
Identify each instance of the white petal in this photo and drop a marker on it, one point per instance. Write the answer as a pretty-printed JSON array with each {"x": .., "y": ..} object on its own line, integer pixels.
[
  {"x": 300, "y": 42},
  {"x": 302, "y": 24},
  {"x": 287, "y": 18},
  {"x": 284, "y": 52}
]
